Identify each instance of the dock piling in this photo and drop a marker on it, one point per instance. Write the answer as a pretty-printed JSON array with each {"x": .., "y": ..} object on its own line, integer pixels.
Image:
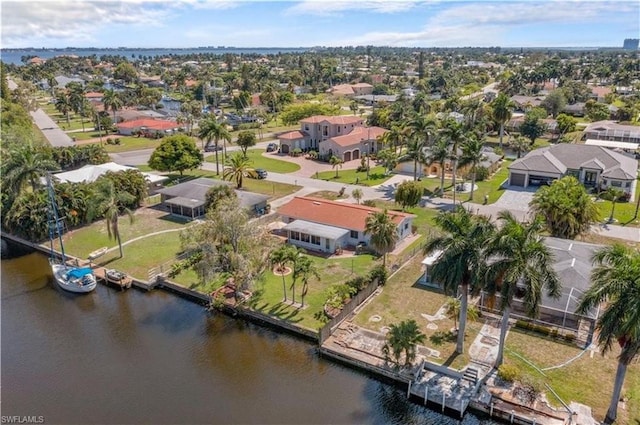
[
  {"x": 491, "y": 410},
  {"x": 443, "y": 397},
  {"x": 426, "y": 394},
  {"x": 511, "y": 416},
  {"x": 409, "y": 390}
]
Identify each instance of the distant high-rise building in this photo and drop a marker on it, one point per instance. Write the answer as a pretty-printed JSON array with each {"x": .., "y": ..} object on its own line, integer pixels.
[{"x": 631, "y": 44}]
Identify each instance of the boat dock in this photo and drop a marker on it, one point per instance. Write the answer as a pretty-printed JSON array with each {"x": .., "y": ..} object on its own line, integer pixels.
[{"x": 113, "y": 277}]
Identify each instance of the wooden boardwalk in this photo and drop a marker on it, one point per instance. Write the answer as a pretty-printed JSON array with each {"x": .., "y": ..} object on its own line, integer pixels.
[{"x": 123, "y": 283}]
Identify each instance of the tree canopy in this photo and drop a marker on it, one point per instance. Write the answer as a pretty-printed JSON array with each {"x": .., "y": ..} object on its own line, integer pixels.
[{"x": 176, "y": 153}]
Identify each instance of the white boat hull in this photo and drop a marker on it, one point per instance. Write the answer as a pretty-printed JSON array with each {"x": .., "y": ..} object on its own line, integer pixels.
[{"x": 86, "y": 283}]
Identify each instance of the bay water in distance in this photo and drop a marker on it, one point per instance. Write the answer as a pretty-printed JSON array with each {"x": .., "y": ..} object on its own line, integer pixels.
[{"x": 112, "y": 357}]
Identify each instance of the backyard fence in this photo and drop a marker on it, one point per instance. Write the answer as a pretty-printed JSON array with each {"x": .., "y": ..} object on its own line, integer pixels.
[{"x": 326, "y": 331}]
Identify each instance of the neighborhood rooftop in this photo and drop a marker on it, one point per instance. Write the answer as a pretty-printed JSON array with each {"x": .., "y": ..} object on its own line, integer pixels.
[{"x": 332, "y": 213}]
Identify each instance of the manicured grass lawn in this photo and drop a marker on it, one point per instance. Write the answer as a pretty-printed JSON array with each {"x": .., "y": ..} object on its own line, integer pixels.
[
  {"x": 93, "y": 134},
  {"x": 272, "y": 189},
  {"x": 624, "y": 211},
  {"x": 80, "y": 242},
  {"x": 403, "y": 299},
  {"x": 328, "y": 194},
  {"x": 130, "y": 143},
  {"x": 489, "y": 187},
  {"x": 258, "y": 161},
  {"x": 588, "y": 380},
  {"x": 269, "y": 293},
  {"x": 376, "y": 176}
]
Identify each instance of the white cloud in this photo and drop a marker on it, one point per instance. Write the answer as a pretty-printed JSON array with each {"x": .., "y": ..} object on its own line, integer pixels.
[
  {"x": 487, "y": 23},
  {"x": 327, "y": 8}
]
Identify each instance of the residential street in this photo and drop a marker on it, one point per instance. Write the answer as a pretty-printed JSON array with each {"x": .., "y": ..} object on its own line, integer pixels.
[{"x": 50, "y": 129}]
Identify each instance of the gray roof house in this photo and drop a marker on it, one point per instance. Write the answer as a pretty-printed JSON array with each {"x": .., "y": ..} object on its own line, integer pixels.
[
  {"x": 187, "y": 199},
  {"x": 611, "y": 130},
  {"x": 593, "y": 166}
]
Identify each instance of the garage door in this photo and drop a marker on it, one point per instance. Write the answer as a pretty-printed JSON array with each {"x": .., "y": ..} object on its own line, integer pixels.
[{"x": 518, "y": 179}]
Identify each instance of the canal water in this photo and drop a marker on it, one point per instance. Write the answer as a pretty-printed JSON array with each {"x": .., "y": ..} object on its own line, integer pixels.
[{"x": 132, "y": 357}]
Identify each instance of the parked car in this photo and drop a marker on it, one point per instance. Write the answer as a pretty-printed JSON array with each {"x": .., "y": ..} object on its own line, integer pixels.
[
  {"x": 272, "y": 147},
  {"x": 212, "y": 148},
  {"x": 261, "y": 173}
]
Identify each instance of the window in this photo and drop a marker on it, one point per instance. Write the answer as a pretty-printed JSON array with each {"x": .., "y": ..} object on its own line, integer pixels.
[
  {"x": 627, "y": 184},
  {"x": 338, "y": 129},
  {"x": 295, "y": 236},
  {"x": 406, "y": 226},
  {"x": 354, "y": 234},
  {"x": 304, "y": 237},
  {"x": 315, "y": 240},
  {"x": 306, "y": 127},
  {"x": 616, "y": 183}
]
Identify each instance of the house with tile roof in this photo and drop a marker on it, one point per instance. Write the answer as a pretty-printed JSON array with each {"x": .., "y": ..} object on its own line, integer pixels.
[
  {"x": 594, "y": 166},
  {"x": 322, "y": 225},
  {"x": 344, "y": 136},
  {"x": 611, "y": 130},
  {"x": 358, "y": 89},
  {"x": 150, "y": 127}
]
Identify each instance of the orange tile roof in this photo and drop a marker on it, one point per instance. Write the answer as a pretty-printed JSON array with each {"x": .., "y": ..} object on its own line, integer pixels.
[
  {"x": 332, "y": 213},
  {"x": 292, "y": 135},
  {"x": 93, "y": 94},
  {"x": 340, "y": 119},
  {"x": 358, "y": 135},
  {"x": 150, "y": 124}
]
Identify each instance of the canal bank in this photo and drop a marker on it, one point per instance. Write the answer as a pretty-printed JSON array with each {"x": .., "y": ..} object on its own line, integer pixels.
[{"x": 448, "y": 391}]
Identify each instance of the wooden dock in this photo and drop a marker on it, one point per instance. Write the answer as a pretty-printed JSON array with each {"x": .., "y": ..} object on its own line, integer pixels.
[{"x": 123, "y": 282}]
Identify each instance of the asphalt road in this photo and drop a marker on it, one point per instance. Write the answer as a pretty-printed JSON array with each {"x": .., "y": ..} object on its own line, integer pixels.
[{"x": 50, "y": 129}]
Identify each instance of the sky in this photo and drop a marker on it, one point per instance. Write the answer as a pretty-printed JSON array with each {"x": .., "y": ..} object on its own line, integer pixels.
[{"x": 257, "y": 23}]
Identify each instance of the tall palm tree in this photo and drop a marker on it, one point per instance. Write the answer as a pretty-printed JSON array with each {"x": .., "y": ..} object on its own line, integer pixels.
[
  {"x": 113, "y": 101},
  {"x": 416, "y": 152},
  {"x": 383, "y": 231},
  {"x": 26, "y": 164},
  {"x": 612, "y": 194},
  {"x": 616, "y": 282},
  {"x": 282, "y": 256},
  {"x": 63, "y": 104},
  {"x": 472, "y": 155},
  {"x": 520, "y": 261},
  {"x": 456, "y": 134},
  {"x": 237, "y": 168},
  {"x": 438, "y": 154},
  {"x": 519, "y": 144},
  {"x": 108, "y": 203},
  {"x": 458, "y": 268},
  {"x": 304, "y": 269},
  {"x": 502, "y": 106},
  {"x": 212, "y": 130}
]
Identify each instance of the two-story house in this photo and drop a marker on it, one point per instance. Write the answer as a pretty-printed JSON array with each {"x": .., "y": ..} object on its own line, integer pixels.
[
  {"x": 344, "y": 136},
  {"x": 322, "y": 225}
]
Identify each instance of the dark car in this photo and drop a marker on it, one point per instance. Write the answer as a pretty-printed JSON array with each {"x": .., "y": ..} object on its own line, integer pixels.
[
  {"x": 272, "y": 147},
  {"x": 261, "y": 173},
  {"x": 212, "y": 148}
]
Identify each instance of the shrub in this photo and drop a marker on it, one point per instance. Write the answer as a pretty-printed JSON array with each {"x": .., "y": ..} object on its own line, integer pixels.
[
  {"x": 508, "y": 372},
  {"x": 380, "y": 273},
  {"x": 369, "y": 203},
  {"x": 358, "y": 282},
  {"x": 570, "y": 338},
  {"x": 482, "y": 173},
  {"x": 498, "y": 151}
]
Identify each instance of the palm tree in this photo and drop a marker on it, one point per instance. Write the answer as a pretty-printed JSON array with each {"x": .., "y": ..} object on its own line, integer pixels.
[
  {"x": 212, "y": 130},
  {"x": 438, "y": 154},
  {"x": 63, "y": 104},
  {"x": 616, "y": 282},
  {"x": 304, "y": 269},
  {"x": 238, "y": 167},
  {"x": 454, "y": 131},
  {"x": 452, "y": 310},
  {"x": 336, "y": 163},
  {"x": 520, "y": 262},
  {"x": 502, "y": 112},
  {"x": 383, "y": 231},
  {"x": 519, "y": 144},
  {"x": 113, "y": 101},
  {"x": 403, "y": 337},
  {"x": 462, "y": 257},
  {"x": 612, "y": 194},
  {"x": 108, "y": 203},
  {"x": 473, "y": 155},
  {"x": 26, "y": 163},
  {"x": 415, "y": 152},
  {"x": 280, "y": 258}
]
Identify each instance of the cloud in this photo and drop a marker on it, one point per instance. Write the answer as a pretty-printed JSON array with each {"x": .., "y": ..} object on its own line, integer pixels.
[
  {"x": 489, "y": 23},
  {"x": 328, "y": 8},
  {"x": 73, "y": 20}
]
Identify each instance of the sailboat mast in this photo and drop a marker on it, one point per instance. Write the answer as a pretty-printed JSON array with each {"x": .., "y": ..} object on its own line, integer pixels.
[{"x": 56, "y": 219}]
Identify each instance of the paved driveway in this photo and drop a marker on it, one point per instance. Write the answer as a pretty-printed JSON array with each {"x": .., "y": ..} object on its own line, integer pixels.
[{"x": 516, "y": 198}]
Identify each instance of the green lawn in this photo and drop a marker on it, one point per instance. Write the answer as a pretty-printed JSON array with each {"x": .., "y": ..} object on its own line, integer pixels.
[
  {"x": 624, "y": 211},
  {"x": 269, "y": 293},
  {"x": 588, "y": 380},
  {"x": 130, "y": 143},
  {"x": 376, "y": 176},
  {"x": 258, "y": 161},
  {"x": 490, "y": 187}
]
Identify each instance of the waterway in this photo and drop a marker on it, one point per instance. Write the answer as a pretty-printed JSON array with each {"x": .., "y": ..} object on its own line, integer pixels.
[{"x": 131, "y": 357}]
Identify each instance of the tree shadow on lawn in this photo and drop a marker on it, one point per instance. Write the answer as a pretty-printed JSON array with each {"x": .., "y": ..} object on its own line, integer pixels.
[{"x": 451, "y": 359}]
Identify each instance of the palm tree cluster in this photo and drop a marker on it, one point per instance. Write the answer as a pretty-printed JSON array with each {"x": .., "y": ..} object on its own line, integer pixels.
[{"x": 303, "y": 269}]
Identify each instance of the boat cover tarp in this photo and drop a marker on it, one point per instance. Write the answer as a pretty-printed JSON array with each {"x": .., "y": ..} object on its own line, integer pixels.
[{"x": 79, "y": 272}]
